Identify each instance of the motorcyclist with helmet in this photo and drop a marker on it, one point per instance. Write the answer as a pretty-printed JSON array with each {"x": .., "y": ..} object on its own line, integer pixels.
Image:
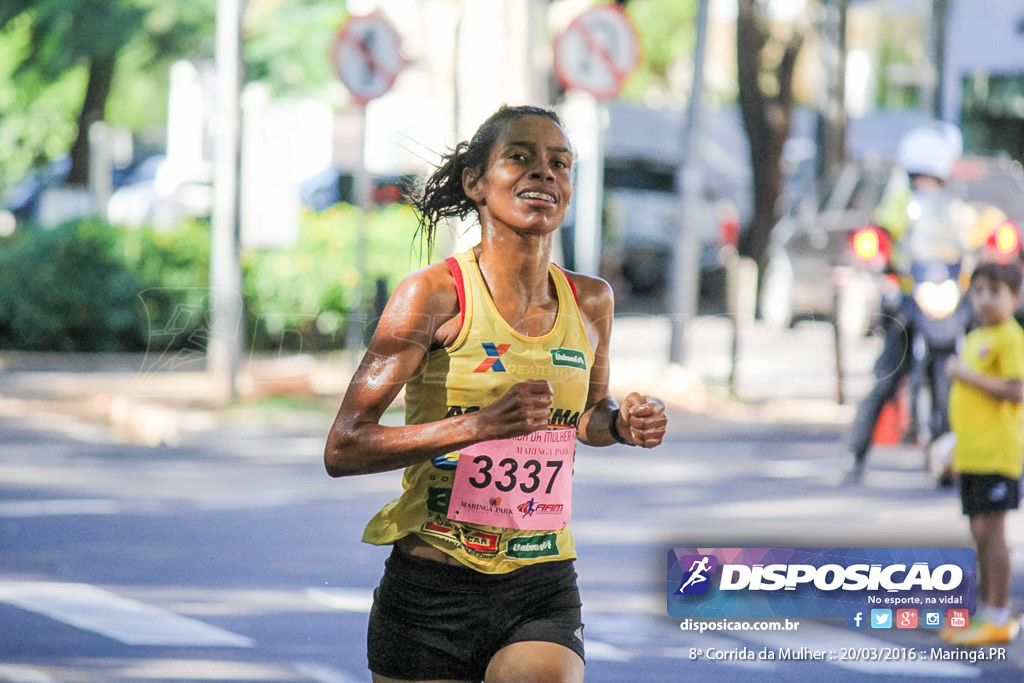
[{"x": 924, "y": 220}]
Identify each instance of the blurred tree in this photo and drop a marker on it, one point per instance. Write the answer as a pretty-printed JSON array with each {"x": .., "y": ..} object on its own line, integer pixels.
[
  {"x": 667, "y": 36},
  {"x": 56, "y": 40},
  {"x": 288, "y": 45},
  {"x": 766, "y": 57},
  {"x": 766, "y": 61}
]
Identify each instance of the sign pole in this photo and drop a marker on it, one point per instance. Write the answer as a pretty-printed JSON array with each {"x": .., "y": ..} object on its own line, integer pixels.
[
  {"x": 361, "y": 189},
  {"x": 590, "y": 194},
  {"x": 224, "y": 347},
  {"x": 596, "y": 54},
  {"x": 367, "y": 56},
  {"x": 686, "y": 261}
]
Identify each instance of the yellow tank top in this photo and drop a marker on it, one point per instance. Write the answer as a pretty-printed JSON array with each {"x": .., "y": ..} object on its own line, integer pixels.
[
  {"x": 989, "y": 431},
  {"x": 486, "y": 359}
]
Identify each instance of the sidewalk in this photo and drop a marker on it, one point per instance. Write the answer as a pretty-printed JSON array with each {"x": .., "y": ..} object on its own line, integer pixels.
[{"x": 782, "y": 378}]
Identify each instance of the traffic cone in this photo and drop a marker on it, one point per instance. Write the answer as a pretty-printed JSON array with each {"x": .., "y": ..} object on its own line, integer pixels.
[{"x": 892, "y": 422}]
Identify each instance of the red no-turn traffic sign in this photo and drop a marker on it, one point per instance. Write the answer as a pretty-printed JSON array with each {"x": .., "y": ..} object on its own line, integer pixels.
[
  {"x": 368, "y": 56},
  {"x": 598, "y": 52}
]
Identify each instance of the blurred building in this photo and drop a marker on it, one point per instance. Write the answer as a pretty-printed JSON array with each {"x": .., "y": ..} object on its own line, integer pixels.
[
  {"x": 983, "y": 73},
  {"x": 960, "y": 61}
]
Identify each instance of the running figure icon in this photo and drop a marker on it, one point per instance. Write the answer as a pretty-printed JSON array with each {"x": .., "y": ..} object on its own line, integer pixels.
[{"x": 697, "y": 571}]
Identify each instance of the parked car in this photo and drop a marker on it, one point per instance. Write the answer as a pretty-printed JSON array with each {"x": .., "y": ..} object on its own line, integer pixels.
[
  {"x": 333, "y": 185},
  {"x": 642, "y": 209},
  {"x": 813, "y": 269},
  {"x": 157, "y": 193},
  {"x": 26, "y": 201},
  {"x": 641, "y": 222}
]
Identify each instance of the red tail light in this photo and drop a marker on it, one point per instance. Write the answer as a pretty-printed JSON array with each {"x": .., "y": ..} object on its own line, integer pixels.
[
  {"x": 728, "y": 225},
  {"x": 870, "y": 245},
  {"x": 1005, "y": 239}
]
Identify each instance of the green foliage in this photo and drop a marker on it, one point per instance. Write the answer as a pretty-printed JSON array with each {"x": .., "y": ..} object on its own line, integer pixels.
[
  {"x": 302, "y": 296},
  {"x": 288, "y": 45},
  {"x": 67, "y": 289},
  {"x": 173, "y": 271},
  {"x": 35, "y": 122},
  {"x": 667, "y": 34},
  {"x": 46, "y": 47},
  {"x": 90, "y": 286}
]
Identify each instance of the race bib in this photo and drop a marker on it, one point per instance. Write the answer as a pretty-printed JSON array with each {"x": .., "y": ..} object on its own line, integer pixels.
[{"x": 519, "y": 483}]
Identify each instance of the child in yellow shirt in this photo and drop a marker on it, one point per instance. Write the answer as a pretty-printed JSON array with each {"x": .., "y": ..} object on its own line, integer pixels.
[{"x": 987, "y": 417}]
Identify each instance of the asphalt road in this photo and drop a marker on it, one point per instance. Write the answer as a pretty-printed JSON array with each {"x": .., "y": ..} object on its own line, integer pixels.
[{"x": 233, "y": 557}]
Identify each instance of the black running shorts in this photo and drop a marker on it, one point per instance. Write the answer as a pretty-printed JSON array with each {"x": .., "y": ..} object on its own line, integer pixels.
[
  {"x": 432, "y": 620},
  {"x": 981, "y": 493}
]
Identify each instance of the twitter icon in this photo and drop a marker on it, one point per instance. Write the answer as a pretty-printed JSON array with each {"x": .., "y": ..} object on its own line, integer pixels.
[{"x": 881, "y": 618}]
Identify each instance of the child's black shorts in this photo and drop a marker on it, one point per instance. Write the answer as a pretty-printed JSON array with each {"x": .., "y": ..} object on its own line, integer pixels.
[
  {"x": 432, "y": 620},
  {"x": 981, "y": 493}
]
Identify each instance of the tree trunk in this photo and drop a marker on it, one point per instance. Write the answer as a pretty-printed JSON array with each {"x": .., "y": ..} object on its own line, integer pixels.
[
  {"x": 766, "y": 120},
  {"x": 101, "y": 74},
  {"x": 832, "y": 108}
]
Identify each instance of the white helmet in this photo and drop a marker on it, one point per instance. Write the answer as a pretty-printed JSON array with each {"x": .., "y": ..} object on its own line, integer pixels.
[{"x": 931, "y": 150}]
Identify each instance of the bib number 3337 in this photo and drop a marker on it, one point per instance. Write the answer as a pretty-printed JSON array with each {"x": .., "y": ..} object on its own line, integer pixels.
[{"x": 519, "y": 483}]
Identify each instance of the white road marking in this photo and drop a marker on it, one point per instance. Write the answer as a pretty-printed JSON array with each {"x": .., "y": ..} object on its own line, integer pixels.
[
  {"x": 128, "y": 621},
  {"x": 322, "y": 673},
  {"x": 344, "y": 599},
  {"x": 10, "y": 673},
  {"x": 15, "y": 509},
  {"x": 47, "y": 508},
  {"x": 597, "y": 650}
]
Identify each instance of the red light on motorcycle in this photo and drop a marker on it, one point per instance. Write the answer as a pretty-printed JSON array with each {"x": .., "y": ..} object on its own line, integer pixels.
[
  {"x": 869, "y": 243},
  {"x": 728, "y": 224},
  {"x": 729, "y": 232},
  {"x": 1005, "y": 239}
]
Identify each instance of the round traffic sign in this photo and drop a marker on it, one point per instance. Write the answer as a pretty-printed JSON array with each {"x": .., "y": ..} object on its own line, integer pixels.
[
  {"x": 367, "y": 55},
  {"x": 598, "y": 51}
]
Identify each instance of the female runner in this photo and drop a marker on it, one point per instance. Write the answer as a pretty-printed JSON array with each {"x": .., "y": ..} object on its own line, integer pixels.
[{"x": 504, "y": 360}]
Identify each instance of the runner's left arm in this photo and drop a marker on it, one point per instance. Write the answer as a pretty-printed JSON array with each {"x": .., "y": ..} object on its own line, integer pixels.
[{"x": 640, "y": 420}]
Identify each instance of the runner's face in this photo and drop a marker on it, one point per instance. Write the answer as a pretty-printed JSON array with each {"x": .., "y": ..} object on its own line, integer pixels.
[{"x": 528, "y": 181}]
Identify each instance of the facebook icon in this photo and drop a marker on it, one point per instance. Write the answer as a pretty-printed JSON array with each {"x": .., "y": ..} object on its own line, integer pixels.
[{"x": 855, "y": 620}]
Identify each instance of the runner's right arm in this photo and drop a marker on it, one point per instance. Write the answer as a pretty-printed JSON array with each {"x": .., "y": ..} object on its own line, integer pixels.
[{"x": 423, "y": 313}]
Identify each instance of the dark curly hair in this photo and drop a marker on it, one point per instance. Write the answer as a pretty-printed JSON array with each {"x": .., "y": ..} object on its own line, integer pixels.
[
  {"x": 1006, "y": 273},
  {"x": 442, "y": 195}
]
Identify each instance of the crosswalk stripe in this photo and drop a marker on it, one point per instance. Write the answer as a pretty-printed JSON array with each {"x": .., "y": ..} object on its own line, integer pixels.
[
  {"x": 323, "y": 674},
  {"x": 50, "y": 508},
  {"x": 128, "y": 621},
  {"x": 23, "y": 674},
  {"x": 344, "y": 599},
  {"x": 599, "y": 650},
  {"x": 824, "y": 638}
]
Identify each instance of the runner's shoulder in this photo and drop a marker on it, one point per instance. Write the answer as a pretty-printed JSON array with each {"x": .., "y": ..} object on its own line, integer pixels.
[
  {"x": 430, "y": 290},
  {"x": 593, "y": 294}
]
